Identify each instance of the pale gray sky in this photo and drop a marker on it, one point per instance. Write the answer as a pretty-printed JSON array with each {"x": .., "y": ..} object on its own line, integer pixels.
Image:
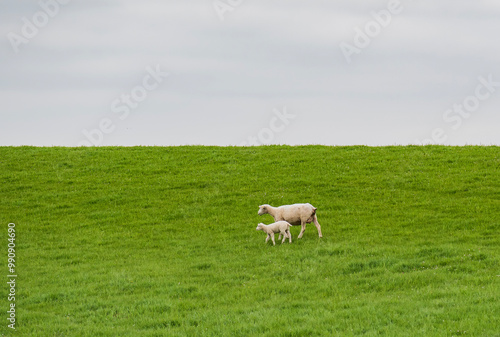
[{"x": 249, "y": 72}]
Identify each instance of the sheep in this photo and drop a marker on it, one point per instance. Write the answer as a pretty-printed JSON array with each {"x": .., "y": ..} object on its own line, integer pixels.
[
  {"x": 297, "y": 214},
  {"x": 281, "y": 227}
]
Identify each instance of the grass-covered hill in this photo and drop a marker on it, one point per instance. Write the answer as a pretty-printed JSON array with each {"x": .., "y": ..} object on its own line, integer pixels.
[{"x": 161, "y": 241}]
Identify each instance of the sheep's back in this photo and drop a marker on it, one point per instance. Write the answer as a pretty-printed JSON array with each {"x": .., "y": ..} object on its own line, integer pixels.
[{"x": 295, "y": 214}]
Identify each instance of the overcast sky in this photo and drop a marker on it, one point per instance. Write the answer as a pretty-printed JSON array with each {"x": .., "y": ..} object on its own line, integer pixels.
[{"x": 243, "y": 72}]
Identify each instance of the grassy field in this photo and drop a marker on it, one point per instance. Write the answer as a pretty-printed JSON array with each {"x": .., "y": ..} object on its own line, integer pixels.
[{"x": 161, "y": 241}]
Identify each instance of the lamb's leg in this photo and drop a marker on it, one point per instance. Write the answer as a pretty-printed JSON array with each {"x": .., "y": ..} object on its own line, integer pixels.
[
  {"x": 284, "y": 235},
  {"x": 272, "y": 237},
  {"x": 267, "y": 238},
  {"x": 289, "y": 235},
  {"x": 303, "y": 224},
  {"x": 315, "y": 219}
]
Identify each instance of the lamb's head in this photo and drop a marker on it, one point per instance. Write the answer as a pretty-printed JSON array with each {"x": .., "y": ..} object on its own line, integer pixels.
[
  {"x": 263, "y": 209},
  {"x": 260, "y": 227}
]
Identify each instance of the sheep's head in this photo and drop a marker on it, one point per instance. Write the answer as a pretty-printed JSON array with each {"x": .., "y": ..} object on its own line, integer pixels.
[
  {"x": 263, "y": 209},
  {"x": 260, "y": 227}
]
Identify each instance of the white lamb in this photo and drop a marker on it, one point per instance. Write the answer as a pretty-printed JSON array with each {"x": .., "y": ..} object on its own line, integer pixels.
[
  {"x": 281, "y": 227},
  {"x": 297, "y": 214}
]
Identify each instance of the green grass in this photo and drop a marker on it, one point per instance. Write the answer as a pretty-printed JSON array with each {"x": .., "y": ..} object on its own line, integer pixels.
[{"x": 161, "y": 241}]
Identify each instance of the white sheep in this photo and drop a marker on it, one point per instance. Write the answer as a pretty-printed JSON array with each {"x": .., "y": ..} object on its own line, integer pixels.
[
  {"x": 281, "y": 227},
  {"x": 297, "y": 214}
]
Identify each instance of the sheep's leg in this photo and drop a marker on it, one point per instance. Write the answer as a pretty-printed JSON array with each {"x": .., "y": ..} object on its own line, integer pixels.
[
  {"x": 303, "y": 224},
  {"x": 279, "y": 237},
  {"x": 289, "y": 235},
  {"x": 315, "y": 219},
  {"x": 267, "y": 238},
  {"x": 272, "y": 237}
]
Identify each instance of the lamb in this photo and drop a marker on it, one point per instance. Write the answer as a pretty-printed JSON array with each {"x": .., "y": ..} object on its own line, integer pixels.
[
  {"x": 297, "y": 214},
  {"x": 281, "y": 227}
]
